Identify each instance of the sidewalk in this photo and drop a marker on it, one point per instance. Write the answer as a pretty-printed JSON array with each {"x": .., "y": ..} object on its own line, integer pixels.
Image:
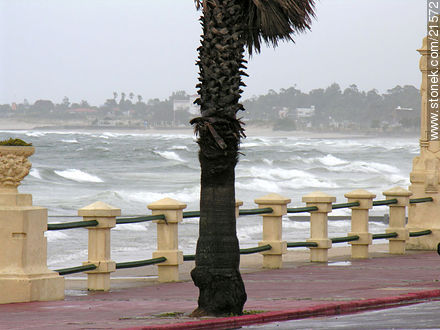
[{"x": 298, "y": 290}]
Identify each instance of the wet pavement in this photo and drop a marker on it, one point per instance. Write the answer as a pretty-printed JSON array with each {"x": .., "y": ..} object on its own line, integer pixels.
[
  {"x": 299, "y": 290},
  {"x": 414, "y": 316}
]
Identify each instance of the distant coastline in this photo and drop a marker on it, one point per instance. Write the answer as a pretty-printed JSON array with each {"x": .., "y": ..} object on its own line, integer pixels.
[{"x": 251, "y": 130}]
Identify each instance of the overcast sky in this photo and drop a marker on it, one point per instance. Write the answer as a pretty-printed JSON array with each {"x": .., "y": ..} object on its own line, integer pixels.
[{"x": 86, "y": 49}]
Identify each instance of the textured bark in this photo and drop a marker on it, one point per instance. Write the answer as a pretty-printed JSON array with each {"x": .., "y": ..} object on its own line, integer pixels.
[{"x": 220, "y": 62}]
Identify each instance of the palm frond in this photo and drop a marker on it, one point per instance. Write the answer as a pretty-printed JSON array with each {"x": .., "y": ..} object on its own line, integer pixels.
[{"x": 271, "y": 21}]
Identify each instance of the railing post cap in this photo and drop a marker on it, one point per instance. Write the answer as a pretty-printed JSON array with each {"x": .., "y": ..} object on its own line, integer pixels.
[
  {"x": 99, "y": 209},
  {"x": 360, "y": 193},
  {"x": 238, "y": 202},
  {"x": 273, "y": 199},
  {"x": 318, "y": 197},
  {"x": 167, "y": 204},
  {"x": 397, "y": 192}
]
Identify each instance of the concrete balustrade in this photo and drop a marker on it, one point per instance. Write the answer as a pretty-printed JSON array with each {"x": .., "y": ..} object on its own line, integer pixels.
[
  {"x": 398, "y": 219},
  {"x": 273, "y": 229},
  {"x": 100, "y": 244},
  {"x": 319, "y": 224},
  {"x": 24, "y": 275},
  {"x": 168, "y": 238},
  {"x": 359, "y": 222}
]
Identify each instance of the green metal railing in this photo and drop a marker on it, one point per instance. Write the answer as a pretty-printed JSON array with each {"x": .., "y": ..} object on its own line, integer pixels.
[
  {"x": 345, "y": 205},
  {"x": 420, "y": 233},
  {"x": 140, "y": 263},
  {"x": 70, "y": 225},
  {"x": 302, "y": 209},
  {"x": 421, "y": 200},
  {"x": 386, "y": 235},
  {"x": 385, "y": 202},
  {"x": 301, "y": 244},
  {"x": 120, "y": 221},
  {"x": 73, "y": 270},
  {"x": 345, "y": 239}
]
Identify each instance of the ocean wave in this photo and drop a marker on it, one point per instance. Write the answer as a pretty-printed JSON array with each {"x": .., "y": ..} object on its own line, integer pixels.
[
  {"x": 131, "y": 227},
  {"x": 331, "y": 160},
  {"x": 69, "y": 140},
  {"x": 35, "y": 173},
  {"x": 78, "y": 176},
  {"x": 53, "y": 236},
  {"x": 179, "y": 148},
  {"x": 259, "y": 185},
  {"x": 185, "y": 196},
  {"x": 170, "y": 155}
]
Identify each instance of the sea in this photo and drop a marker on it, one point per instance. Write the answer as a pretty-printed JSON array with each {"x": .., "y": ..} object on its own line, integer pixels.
[{"x": 72, "y": 169}]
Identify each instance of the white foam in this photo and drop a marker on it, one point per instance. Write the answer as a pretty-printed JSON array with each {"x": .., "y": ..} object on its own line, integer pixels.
[
  {"x": 259, "y": 185},
  {"x": 131, "y": 227},
  {"x": 78, "y": 175},
  {"x": 35, "y": 173},
  {"x": 179, "y": 148},
  {"x": 186, "y": 195},
  {"x": 70, "y": 141},
  {"x": 53, "y": 235},
  {"x": 170, "y": 155},
  {"x": 331, "y": 160}
]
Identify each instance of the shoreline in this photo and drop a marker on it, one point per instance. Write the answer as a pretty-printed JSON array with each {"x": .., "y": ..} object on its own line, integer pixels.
[{"x": 250, "y": 130}]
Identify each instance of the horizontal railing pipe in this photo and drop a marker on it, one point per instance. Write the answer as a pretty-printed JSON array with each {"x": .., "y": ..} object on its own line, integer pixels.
[
  {"x": 140, "y": 263},
  {"x": 386, "y": 235},
  {"x": 345, "y": 205},
  {"x": 302, "y": 209},
  {"x": 71, "y": 225},
  {"x": 421, "y": 200},
  {"x": 256, "y": 211},
  {"x": 385, "y": 202},
  {"x": 120, "y": 221},
  {"x": 257, "y": 249},
  {"x": 79, "y": 269},
  {"x": 420, "y": 233},
  {"x": 345, "y": 239},
  {"x": 301, "y": 244}
]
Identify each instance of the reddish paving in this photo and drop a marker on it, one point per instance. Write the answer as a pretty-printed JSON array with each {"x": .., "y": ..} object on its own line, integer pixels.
[{"x": 296, "y": 291}]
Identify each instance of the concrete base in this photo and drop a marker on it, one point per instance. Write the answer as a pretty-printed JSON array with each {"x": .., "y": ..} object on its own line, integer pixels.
[
  {"x": 26, "y": 288},
  {"x": 359, "y": 252}
]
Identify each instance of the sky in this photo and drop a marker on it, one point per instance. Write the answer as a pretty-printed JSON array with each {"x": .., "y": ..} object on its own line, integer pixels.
[{"x": 87, "y": 49}]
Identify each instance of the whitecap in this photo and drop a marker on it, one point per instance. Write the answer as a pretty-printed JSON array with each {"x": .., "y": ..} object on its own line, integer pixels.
[
  {"x": 35, "y": 173},
  {"x": 78, "y": 175},
  {"x": 170, "y": 155},
  {"x": 53, "y": 235},
  {"x": 186, "y": 195},
  {"x": 35, "y": 134},
  {"x": 331, "y": 160},
  {"x": 259, "y": 185},
  {"x": 70, "y": 141},
  {"x": 179, "y": 148}
]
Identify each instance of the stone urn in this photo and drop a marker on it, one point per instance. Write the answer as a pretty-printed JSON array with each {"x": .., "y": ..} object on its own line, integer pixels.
[{"x": 14, "y": 166}]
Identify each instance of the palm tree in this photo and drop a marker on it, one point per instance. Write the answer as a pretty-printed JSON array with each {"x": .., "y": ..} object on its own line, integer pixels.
[{"x": 229, "y": 26}]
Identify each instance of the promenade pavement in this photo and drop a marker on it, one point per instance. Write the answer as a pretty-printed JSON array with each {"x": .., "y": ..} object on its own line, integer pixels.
[{"x": 301, "y": 289}]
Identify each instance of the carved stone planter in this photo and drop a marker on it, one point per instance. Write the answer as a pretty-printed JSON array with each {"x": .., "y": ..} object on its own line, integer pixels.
[{"x": 14, "y": 166}]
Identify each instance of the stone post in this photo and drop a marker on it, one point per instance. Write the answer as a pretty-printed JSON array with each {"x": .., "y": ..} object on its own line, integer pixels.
[
  {"x": 238, "y": 203},
  {"x": 99, "y": 244},
  {"x": 24, "y": 275},
  {"x": 424, "y": 176},
  {"x": 168, "y": 238},
  {"x": 398, "y": 219},
  {"x": 319, "y": 224},
  {"x": 273, "y": 229},
  {"x": 359, "y": 222}
]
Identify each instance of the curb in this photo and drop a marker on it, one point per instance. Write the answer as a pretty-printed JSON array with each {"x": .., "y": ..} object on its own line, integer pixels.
[{"x": 298, "y": 313}]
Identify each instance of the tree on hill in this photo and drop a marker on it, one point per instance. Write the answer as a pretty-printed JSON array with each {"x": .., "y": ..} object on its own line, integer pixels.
[{"x": 229, "y": 27}]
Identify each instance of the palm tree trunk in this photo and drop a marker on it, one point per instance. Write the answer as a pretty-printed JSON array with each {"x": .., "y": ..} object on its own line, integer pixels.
[{"x": 218, "y": 257}]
